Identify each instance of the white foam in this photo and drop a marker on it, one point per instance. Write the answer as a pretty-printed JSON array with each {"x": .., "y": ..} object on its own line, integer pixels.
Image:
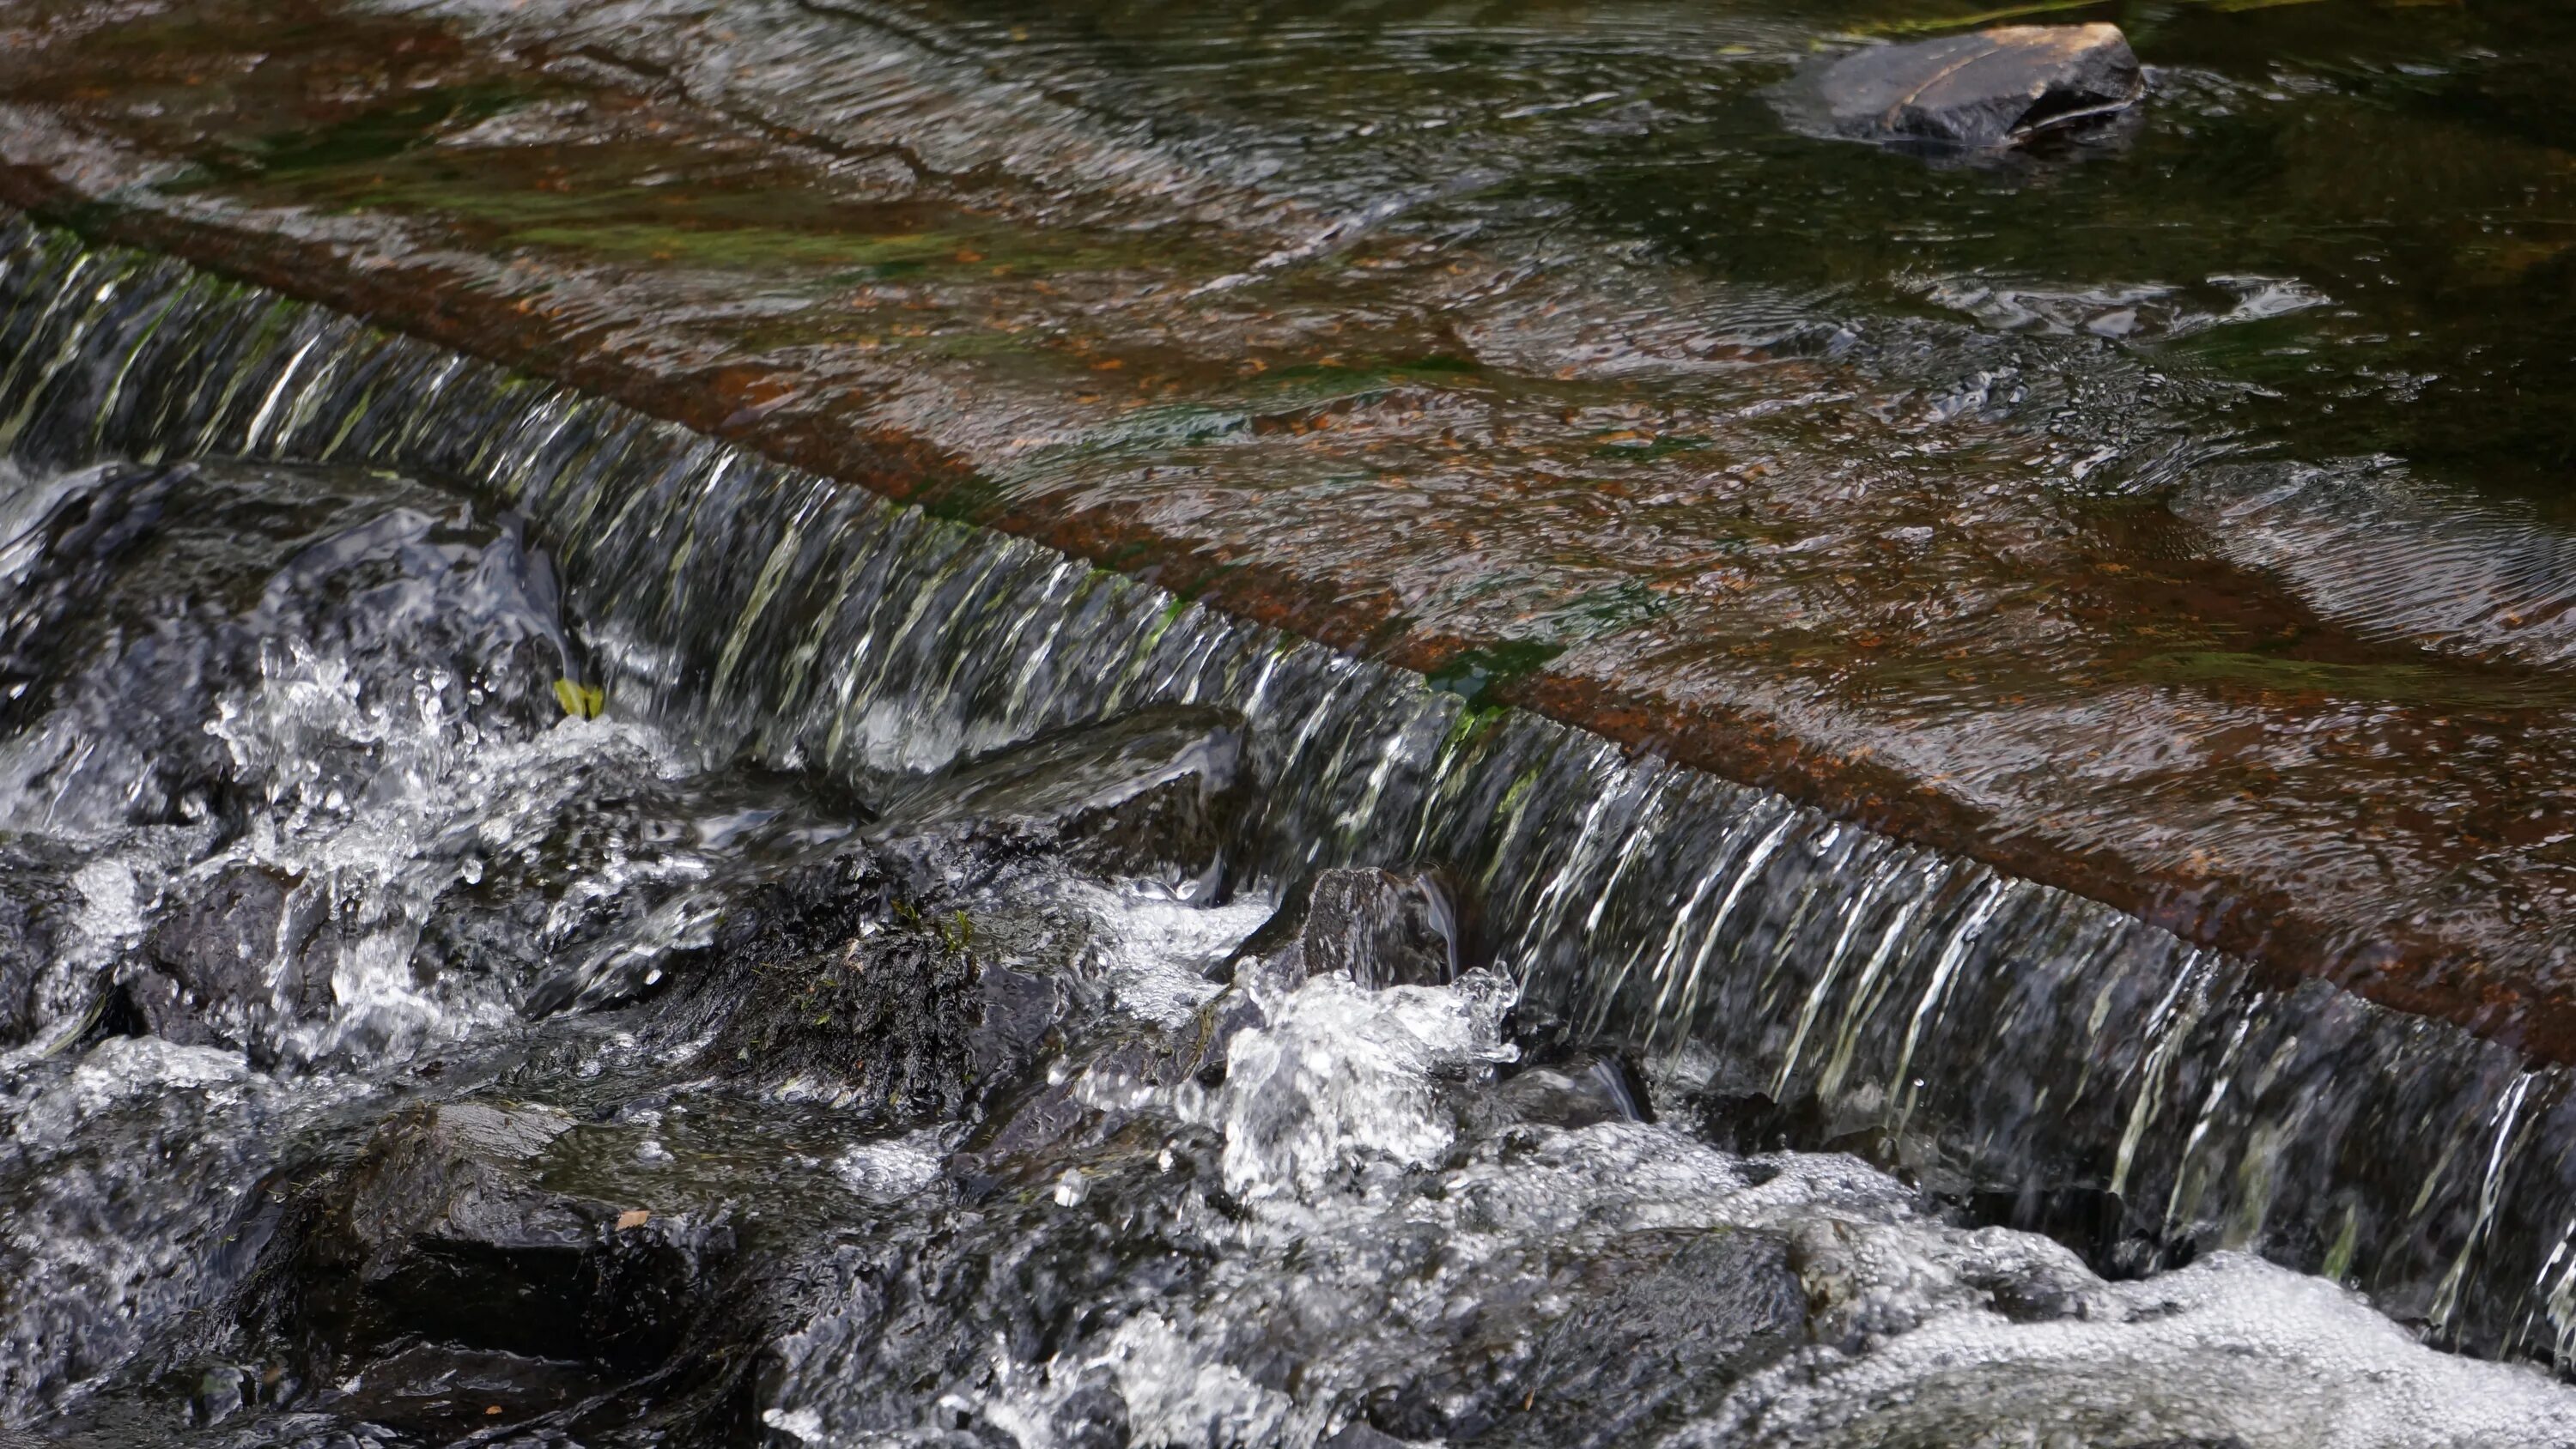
[
  {"x": 893, "y": 1169},
  {"x": 1153, "y": 950},
  {"x": 1342, "y": 1150},
  {"x": 1338, "y": 1085},
  {"x": 2231, "y": 1348}
]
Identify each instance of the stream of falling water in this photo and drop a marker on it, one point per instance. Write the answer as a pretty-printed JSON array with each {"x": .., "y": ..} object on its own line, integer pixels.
[{"x": 1777, "y": 979}]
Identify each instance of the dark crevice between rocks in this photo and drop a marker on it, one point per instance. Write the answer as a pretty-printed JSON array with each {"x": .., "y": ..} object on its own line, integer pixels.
[{"x": 439, "y": 1286}]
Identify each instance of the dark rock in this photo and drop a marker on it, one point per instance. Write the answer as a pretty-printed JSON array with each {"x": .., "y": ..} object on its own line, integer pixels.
[
  {"x": 2094, "y": 1222},
  {"x": 440, "y": 1394},
  {"x": 248, "y": 954},
  {"x": 70, "y": 557},
  {"x": 143, "y": 595},
  {"x": 440, "y": 1229},
  {"x": 36, "y": 909},
  {"x": 461, "y": 1173},
  {"x": 1575, "y": 1094},
  {"x": 1049, "y": 1118},
  {"x": 1037, "y": 1124},
  {"x": 408, "y": 586},
  {"x": 784, "y": 858},
  {"x": 1384, "y": 929},
  {"x": 447, "y": 1287},
  {"x": 833, "y": 976},
  {"x": 1969, "y": 92},
  {"x": 1199, "y": 1050},
  {"x": 1663, "y": 1323},
  {"x": 1023, "y": 1275},
  {"x": 890, "y": 1016},
  {"x": 1021, "y": 1014},
  {"x": 1380, "y": 927},
  {"x": 1658, "y": 1344},
  {"x": 444, "y": 1230},
  {"x": 1745, "y": 1123},
  {"x": 1157, "y": 793}
]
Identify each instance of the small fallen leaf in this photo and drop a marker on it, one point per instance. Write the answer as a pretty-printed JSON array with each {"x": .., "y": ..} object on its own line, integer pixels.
[
  {"x": 490, "y": 1409},
  {"x": 633, "y": 1218},
  {"x": 581, "y": 701}
]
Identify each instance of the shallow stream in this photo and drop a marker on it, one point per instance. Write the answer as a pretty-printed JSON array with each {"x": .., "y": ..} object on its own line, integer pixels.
[{"x": 526, "y": 922}]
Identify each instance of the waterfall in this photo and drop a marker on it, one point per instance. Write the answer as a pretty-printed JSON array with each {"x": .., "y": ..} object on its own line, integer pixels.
[{"x": 1786, "y": 976}]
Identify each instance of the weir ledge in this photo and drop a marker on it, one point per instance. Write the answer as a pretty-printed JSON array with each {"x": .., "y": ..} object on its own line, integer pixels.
[{"x": 2285, "y": 938}]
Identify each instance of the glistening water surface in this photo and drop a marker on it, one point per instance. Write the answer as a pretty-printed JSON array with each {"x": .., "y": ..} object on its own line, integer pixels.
[
  {"x": 2167, "y": 514},
  {"x": 957, "y": 993}
]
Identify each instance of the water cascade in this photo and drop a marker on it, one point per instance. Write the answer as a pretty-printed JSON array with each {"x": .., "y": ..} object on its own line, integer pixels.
[
  {"x": 1768, "y": 976},
  {"x": 1780, "y": 979}
]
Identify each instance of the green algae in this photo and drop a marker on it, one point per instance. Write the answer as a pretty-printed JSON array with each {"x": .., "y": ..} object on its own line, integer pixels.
[
  {"x": 1475, "y": 675},
  {"x": 380, "y": 133},
  {"x": 2409, "y": 681}
]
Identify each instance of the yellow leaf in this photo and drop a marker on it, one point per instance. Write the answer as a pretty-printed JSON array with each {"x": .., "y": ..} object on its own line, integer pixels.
[{"x": 581, "y": 701}]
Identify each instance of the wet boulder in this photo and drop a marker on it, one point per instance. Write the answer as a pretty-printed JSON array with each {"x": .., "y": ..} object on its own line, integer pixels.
[
  {"x": 833, "y": 978},
  {"x": 1576, "y": 1093},
  {"x": 37, "y": 908},
  {"x": 58, "y": 567},
  {"x": 1058, "y": 1251},
  {"x": 745, "y": 846},
  {"x": 459, "y": 1175},
  {"x": 1969, "y": 92},
  {"x": 250, "y": 954},
  {"x": 1662, "y": 1324},
  {"x": 1157, "y": 793},
  {"x": 146, "y": 603},
  {"x": 1845, "y": 1267},
  {"x": 1384, "y": 928},
  {"x": 1379, "y": 927},
  {"x": 457, "y": 1277},
  {"x": 445, "y": 1230},
  {"x": 893, "y": 1019}
]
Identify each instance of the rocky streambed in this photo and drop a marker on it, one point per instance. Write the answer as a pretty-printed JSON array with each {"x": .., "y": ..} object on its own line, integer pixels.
[
  {"x": 427, "y": 1067},
  {"x": 562, "y": 883},
  {"x": 2117, "y": 512},
  {"x": 952, "y": 994}
]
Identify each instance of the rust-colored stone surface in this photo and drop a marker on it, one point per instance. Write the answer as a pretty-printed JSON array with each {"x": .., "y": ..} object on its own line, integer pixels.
[{"x": 1770, "y": 563}]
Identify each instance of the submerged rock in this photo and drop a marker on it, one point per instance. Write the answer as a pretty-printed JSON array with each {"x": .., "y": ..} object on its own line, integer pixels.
[
  {"x": 1379, "y": 927},
  {"x": 447, "y": 1281},
  {"x": 1156, "y": 793},
  {"x": 1970, "y": 92},
  {"x": 445, "y": 1228},
  {"x": 250, "y": 954}
]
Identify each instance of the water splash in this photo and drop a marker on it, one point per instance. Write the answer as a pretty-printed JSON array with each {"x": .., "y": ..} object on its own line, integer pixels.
[{"x": 1997, "y": 1039}]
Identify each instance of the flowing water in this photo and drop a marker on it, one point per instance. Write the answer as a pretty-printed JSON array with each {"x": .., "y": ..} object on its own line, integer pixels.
[
  {"x": 306, "y": 846},
  {"x": 530, "y": 923}
]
